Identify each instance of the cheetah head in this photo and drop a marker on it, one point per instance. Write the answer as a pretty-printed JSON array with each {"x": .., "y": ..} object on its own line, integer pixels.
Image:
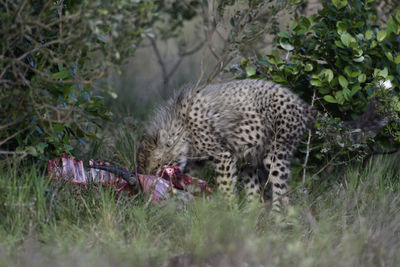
[{"x": 156, "y": 151}]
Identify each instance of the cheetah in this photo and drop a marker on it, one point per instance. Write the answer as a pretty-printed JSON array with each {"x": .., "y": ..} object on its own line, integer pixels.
[{"x": 238, "y": 126}]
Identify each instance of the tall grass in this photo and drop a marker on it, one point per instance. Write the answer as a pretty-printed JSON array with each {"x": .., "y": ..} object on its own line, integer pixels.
[{"x": 353, "y": 220}]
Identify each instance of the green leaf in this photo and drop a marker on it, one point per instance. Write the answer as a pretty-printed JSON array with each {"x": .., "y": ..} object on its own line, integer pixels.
[
  {"x": 381, "y": 35},
  {"x": 341, "y": 27},
  {"x": 308, "y": 67},
  {"x": 358, "y": 59},
  {"x": 205, "y": 3},
  {"x": 389, "y": 55},
  {"x": 300, "y": 29},
  {"x": 41, "y": 147},
  {"x": 329, "y": 74},
  {"x": 264, "y": 62},
  {"x": 250, "y": 71},
  {"x": 316, "y": 83},
  {"x": 355, "y": 73},
  {"x": 391, "y": 26},
  {"x": 339, "y": 97},
  {"x": 291, "y": 69},
  {"x": 58, "y": 128},
  {"x": 330, "y": 99},
  {"x": 360, "y": 36},
  {"x": 346, "y": 38},
  {"x": 381, "y": 73},
  {"x": 278, "y": 79},
  {"x": 368, "y": 34},
  {"x": 339, "y": 3},
  {"x": 384, "y": 73},
  {"x": 358, "y": 52},
  {"x": 355, "y": 89},
  {"x": 348, "y": 70},
  {"x": 359, "y": 24},
  {"x": 285, "y": 44},
  {"x": 339, "y": 44},
  {"x": 271, "y": 60},
  {"x": 398, "y": 15},
  {"x": 285, "y": 34},
  {"x": 397, "y": 59},
  {"x": 102, "y": 11},
  {"x": 343, "y": 82},
  {"x": 362, "y": 78},
  {"x": 324, "y": 90},
  {"x": 346, "y": 94},
  {"x": 32, "y": 151},
  {"x": 305, "y": 22},
  {"x": 61, "y": 74}
]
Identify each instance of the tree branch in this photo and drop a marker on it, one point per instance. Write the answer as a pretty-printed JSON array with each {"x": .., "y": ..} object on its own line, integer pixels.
[
  {"x": 184, "y": 54},
  {"x": 308, "y": 144},
  {"x": 160, "y": 61}
]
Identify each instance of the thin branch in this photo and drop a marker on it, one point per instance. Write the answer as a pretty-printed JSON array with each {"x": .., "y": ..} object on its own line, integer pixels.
[
  {"x": 318, "y": 172},
  {"x": 5, "y": 152},
  {"x": 43, "y": 75},
  {"x": 4, "y": 126},
  {"x": 193, "y": 50},
  {"x": 308, "y": 144},
  {"x": 306, "y": 158},
  {"x": 159, "y": 59},
  {"x": 165, "y": 73},
  {"x": 20, "y": 8},
  {"x": 326, "y": 165},
  {"x": 184, "y": 54},
  {"x": 2, "y": 142},
  {"x": 39, "y": 47}
]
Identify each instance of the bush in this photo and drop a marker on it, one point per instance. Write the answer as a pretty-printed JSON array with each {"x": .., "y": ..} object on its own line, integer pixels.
[
  {"x": 341, "y": 54},
  {"x": 51, "y": 55}
]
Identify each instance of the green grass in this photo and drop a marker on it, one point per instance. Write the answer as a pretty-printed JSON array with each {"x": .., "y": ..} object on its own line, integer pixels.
[{"x": 349, "y": 218}]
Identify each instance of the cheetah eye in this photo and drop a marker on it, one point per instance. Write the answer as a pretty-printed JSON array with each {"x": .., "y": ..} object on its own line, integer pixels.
[{"x": 170, "y": 143}]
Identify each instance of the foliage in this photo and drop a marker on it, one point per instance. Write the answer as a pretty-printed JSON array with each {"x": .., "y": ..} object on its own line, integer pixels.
[
  {"x": 51, "y": 53},
  {"x": 350, "y": 218},
  {"x": 341, "y": 54}
]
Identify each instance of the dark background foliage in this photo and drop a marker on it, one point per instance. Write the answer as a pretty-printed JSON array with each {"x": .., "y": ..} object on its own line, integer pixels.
[
  {"x": 63, "y": 85},
  {"x": 51, "y": 54}
]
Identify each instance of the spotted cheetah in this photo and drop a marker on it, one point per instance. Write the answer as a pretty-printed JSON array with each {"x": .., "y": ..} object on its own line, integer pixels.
[{"x": 238, "y": 125}]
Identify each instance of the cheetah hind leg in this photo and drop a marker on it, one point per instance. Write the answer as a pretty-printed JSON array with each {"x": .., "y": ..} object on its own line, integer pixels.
[
  {"x": 251, "y": 183},
  {"x": 279, "y": 173}
]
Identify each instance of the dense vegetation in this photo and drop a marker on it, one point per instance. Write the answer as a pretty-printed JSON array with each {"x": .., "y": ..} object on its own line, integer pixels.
[{"x": 335, "y": 60}]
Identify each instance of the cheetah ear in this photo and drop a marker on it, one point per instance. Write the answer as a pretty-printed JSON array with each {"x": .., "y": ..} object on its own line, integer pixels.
[{"x": 163, "y": 137}]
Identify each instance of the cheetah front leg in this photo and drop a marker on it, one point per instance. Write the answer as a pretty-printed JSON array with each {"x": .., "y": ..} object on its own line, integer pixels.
[{"x": 226, "y": 171}]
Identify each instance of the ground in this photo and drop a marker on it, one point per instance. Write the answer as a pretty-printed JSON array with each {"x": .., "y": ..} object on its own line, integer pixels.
[{"x": 349, "y": 217}]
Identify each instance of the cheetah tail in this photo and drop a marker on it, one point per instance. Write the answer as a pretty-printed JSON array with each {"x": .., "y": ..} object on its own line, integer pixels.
[
  {"x": 374, "y": 119},
  {"x": 371, "y": 122}
]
